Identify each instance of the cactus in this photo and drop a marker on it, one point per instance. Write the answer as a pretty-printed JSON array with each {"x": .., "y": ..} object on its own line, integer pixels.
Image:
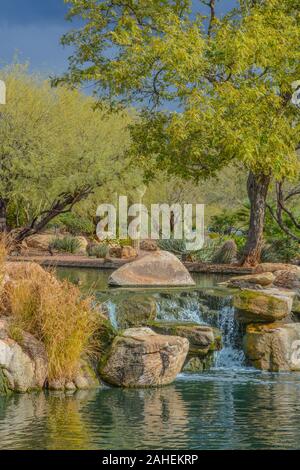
[{"x": 227, "y": 254}]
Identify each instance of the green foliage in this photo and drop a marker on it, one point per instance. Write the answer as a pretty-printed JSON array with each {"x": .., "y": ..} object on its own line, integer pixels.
[
  {"x": 233, "y": 86},
  {"x": 282, "y": 250},
  {"x": 75, "y": 224},
  {"x": 98, "y": 250},
  {"x": 54, "y": 142},
  {"x": 178, "y": 247},
  {"x": 207, "y": 252},
  {"x": 66, "y": 244}
]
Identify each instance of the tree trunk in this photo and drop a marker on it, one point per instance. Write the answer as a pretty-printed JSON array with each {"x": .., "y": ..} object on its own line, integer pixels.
[
  {"x": 257, "y": 187},
  {"x": 3, "y": 225}
]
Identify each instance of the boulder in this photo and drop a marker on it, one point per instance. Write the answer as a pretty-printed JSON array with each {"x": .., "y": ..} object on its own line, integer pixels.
[
  {"x": 141, "y": 358},
  {"x": 287, "y": 279},
  {"x": 39, "y": 242},
  {"x": 148, "y": 245},
  {"x": 122, "y": 252},
  {"x": 23, "y": 360},
  {"x": 85, "y": 379},
  {"x": 159, "y": 268},
  {"x": 272, "y": 267},
  {"x": 202, "y": 338},
  {"x": 135, "y": 310},
  {"x": 266, "y": 305},
  {"x": 83, "y": 245},
  {"x": 273, "y": 347},
  {"x": 262, "y": 279}
]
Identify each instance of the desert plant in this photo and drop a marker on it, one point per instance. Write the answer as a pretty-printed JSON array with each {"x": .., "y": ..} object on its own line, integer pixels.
[
  {"x": 66, "y": 244},
  {"x": 227, "y": 253},
  {"x": 75, "y": 224},
  {"x": 281, "y": 249},
  {"x": 178, "y": 247},
  {"x": 98, "y": 250},
  {"x": 56, "y": 314}
]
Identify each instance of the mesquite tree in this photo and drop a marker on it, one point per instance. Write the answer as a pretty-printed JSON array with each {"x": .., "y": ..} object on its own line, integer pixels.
[
  {"x": 228, "y": 78},
  {"x": 55, "y": 151}
]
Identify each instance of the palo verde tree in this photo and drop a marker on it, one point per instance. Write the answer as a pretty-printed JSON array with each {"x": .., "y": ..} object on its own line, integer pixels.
[
  {"x": 229, "y": 78},
  {"x": 55, "y": 150}
]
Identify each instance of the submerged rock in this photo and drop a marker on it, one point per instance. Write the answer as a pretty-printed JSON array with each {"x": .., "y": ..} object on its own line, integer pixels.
[
  {"x": 23, "y": 361},
  {"x": 267, "y": 305},
  {"x": 273, "y": 347},
  {"x": 141, "y": 358},
  {"x": 158, "y": 268}
]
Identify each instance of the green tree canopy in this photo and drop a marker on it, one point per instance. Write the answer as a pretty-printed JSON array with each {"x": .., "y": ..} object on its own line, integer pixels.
[
  {"x": 231, "y": 83},
  {"x": 55, "y": 148}
]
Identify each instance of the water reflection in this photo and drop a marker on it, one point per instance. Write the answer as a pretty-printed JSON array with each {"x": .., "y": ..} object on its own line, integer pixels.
[{"x": 227, "y": 410}]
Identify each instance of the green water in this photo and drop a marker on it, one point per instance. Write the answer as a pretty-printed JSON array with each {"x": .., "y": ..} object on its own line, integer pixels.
[
  {"x": 217, "y": 410},
  {"x": 228, "y": 407}
]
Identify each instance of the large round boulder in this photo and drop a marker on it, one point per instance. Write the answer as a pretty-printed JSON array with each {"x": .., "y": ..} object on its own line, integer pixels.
[
  {"x": 158, "y": 268},
  {"x": 141, "y": 358},
  {"x": 273, "y": 347}
]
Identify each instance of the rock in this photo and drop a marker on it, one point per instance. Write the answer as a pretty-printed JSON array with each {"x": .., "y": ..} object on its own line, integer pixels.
[
  {"x": 287, "y": 279},
  {"x": 135, "y": 310},
  {"x": 148, "y": 245},
  {"x": 274, "y": 347},
  {"x": 202, "y": 338},
  {"x": 24, "y": 362},
  {"x": 16, "y": 271},
  {"x": 159, "y": 268},
  {"x": 196, "y": 364},
  {"x": 122, "y": 252},
  {"x": 141, "y": 358},
  {"x": 262, "y": 279},
  {"x": 70, "y": 386},
  {"x": 56, "y": 384},
  {"x": 81, "y": 383},
  {"x": 272, "y": 267},
  {"x": 39, "y": 242},
  {"x": 267, "y": 305},
  {"x": 296, "y": 305},
  {"x": 83, "y": 245}
]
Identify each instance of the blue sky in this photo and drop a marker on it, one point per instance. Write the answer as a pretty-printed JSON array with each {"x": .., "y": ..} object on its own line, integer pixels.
[{"x": 32, "y": 29}]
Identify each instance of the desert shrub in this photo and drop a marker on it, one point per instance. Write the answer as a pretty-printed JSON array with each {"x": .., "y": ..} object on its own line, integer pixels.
[
  {"x": 178, "y": 247},
  {"x": 66, "y": 244},
  {"x": 209, "y": 249},
  {"x": 56, "y": 314},
  {"x": 75, "y": 224},
  {"x": 97, "y": 250},
  {"x": 280, "y": 250}
]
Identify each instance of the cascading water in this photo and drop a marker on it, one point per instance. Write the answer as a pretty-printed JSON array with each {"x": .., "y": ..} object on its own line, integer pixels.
[
  {"x": 196, "y": 306},
  {"x": 231, "y": 356}
]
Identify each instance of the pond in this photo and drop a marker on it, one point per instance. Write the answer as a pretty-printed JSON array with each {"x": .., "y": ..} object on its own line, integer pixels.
[{"x": 229, "y": 406}]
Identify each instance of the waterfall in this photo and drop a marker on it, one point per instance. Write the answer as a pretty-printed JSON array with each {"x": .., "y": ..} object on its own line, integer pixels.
[
  {"x": 231, "y": 355},
  {"x": 202, "y": 307}
]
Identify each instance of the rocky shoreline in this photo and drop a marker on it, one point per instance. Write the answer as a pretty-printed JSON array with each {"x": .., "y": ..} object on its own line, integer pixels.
[{"x": 267, "y": 303}]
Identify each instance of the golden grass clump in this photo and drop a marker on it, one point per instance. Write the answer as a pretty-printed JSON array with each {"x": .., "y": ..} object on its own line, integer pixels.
[{"x": 55, "y": 313}]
